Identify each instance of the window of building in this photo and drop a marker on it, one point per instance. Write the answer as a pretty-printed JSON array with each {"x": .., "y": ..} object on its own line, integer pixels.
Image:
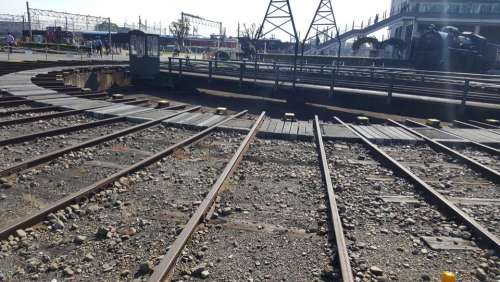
[
  {"x": 485, "y": 9},
  {"x": 137, "y": 45},
  {"x": 152, "y": 46},
  {"x": 495, "y": 9},
  {"x": 470, "y": 9},
  {"x": 453, "y": 8}
]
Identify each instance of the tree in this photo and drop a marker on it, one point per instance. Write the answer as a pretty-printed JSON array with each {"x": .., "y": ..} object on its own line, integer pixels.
[
  {"x": 180, "y": 29},
  {"x": 249, "y": 40},
  {"x": 251, "y": 32}
]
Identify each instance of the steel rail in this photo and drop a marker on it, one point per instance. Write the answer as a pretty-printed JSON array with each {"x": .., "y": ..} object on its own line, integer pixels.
[
  {"x": 52, "y": 155},
  {"x": 32, "y": 110},
  {"x": 59, "y": 131},
  {"x": 43, "y": 117},
  {"x": 18, "y": 99},
  {"x": 49, "y": 83},
  {"x": 168, "y": 262},
  {"x": 175, "y": 107},
  {"x": 484, "y": 125},
  {"x": 486, "y": 171},
  {"x": 24, "y": 99},
  {"x": 476, "y": 126},
  {"x": 64, "y": 89},
  {"x": 130, "y": 101},
  {"x": 14, "y": 103},
  {"x": 137, "y": 102},
  {"x": 121, "y": 100},
  {"x": 482, "y": 233},
  {"x": 35, "y": 218},
  {"x": 467, "y": 124},
  {"x": 486, "y": 148},
  {"x": 336, "y": 221}
]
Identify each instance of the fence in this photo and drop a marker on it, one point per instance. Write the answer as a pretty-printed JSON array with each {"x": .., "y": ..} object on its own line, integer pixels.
[{"x": 459, "y": 86}]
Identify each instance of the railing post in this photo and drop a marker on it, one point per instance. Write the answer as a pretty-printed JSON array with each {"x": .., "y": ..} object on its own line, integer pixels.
[
  {"x": 242, "y": 72},
  {"x": 210, "y": 71},
  {"x": 180, "y": 67},
  {"x": 332, "y": 85},
  {"x": 466, "y": 93},
  {"x": 277, "y": 75},
  {"x": 169, "y": 64},
  {"x": 256, "y": 69},
  {"x": 389, "y": 90}
]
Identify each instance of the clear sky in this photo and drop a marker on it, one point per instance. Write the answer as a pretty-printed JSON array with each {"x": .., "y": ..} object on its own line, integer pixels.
[{"x": 230, "y": 12}]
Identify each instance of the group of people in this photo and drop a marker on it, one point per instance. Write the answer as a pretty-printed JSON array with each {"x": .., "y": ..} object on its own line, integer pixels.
[{"x": 98, "y": 46}]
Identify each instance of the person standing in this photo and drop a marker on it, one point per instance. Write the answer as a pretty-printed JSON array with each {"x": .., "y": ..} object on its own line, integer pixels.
[
  {"x": 11, "y": 41},
  {"x": 98, "y": 46},
  {"x": 106, "y": 46}
]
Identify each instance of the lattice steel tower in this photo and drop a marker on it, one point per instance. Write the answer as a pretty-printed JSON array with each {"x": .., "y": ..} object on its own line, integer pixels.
[
  {"x": 323, "y": 26},
  {"x": 280, "y": 18}
]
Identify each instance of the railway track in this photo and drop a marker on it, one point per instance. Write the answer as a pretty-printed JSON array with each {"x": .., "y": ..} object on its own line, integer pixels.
[
  {"x": 454, "y": 180},
  {"x": 272, "y": 213},
  {"x": 99, "y": 199},
  {"x": 395, "y": 217},
  {"x": 384, "y": 237},
  {"x": 135, "y": 152}
]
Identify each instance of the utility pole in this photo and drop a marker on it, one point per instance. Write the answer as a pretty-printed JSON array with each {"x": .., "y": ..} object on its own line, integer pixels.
[
  {"x": 109, "y": 38},
  {"x": 29, "y": 20}
]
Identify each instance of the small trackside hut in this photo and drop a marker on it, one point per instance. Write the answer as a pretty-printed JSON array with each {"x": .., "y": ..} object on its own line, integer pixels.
[{"x": 144, "y": 55}]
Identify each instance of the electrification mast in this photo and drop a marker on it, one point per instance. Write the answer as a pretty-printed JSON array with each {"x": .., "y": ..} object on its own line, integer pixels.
[
  {"x": 323, "y": 27},
  {"x": 279, "y": 17}
]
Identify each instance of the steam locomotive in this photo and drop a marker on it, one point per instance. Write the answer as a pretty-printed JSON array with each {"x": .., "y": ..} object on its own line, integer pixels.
[{"x": 451, "y": 50}]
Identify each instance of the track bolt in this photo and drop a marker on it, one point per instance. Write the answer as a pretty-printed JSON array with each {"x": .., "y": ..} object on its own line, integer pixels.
[
  {"x": 363, "y": 120},
  {"x": 289, "y": 117},
  {"x": 493, "y": 121},
  {"x": 436, "y": 123},
  {"x": 163, "y": 104},
  {"x": 221, "y": 111},
  {"x": 448, "y": 277}
]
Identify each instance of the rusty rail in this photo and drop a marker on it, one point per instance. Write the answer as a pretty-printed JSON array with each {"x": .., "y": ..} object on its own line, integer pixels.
[
  {"x": 336, "y": 221},
  {"x": 52, "y": 155},
  {"x": 58, "y": 131},
  {"x": 35, "y": 218},
  {"x": 480, "y": 231},
  {"x": 168, "y": 262},
  {"x": 483, "y": 147},
  {"x": 488, "y": 172}
]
